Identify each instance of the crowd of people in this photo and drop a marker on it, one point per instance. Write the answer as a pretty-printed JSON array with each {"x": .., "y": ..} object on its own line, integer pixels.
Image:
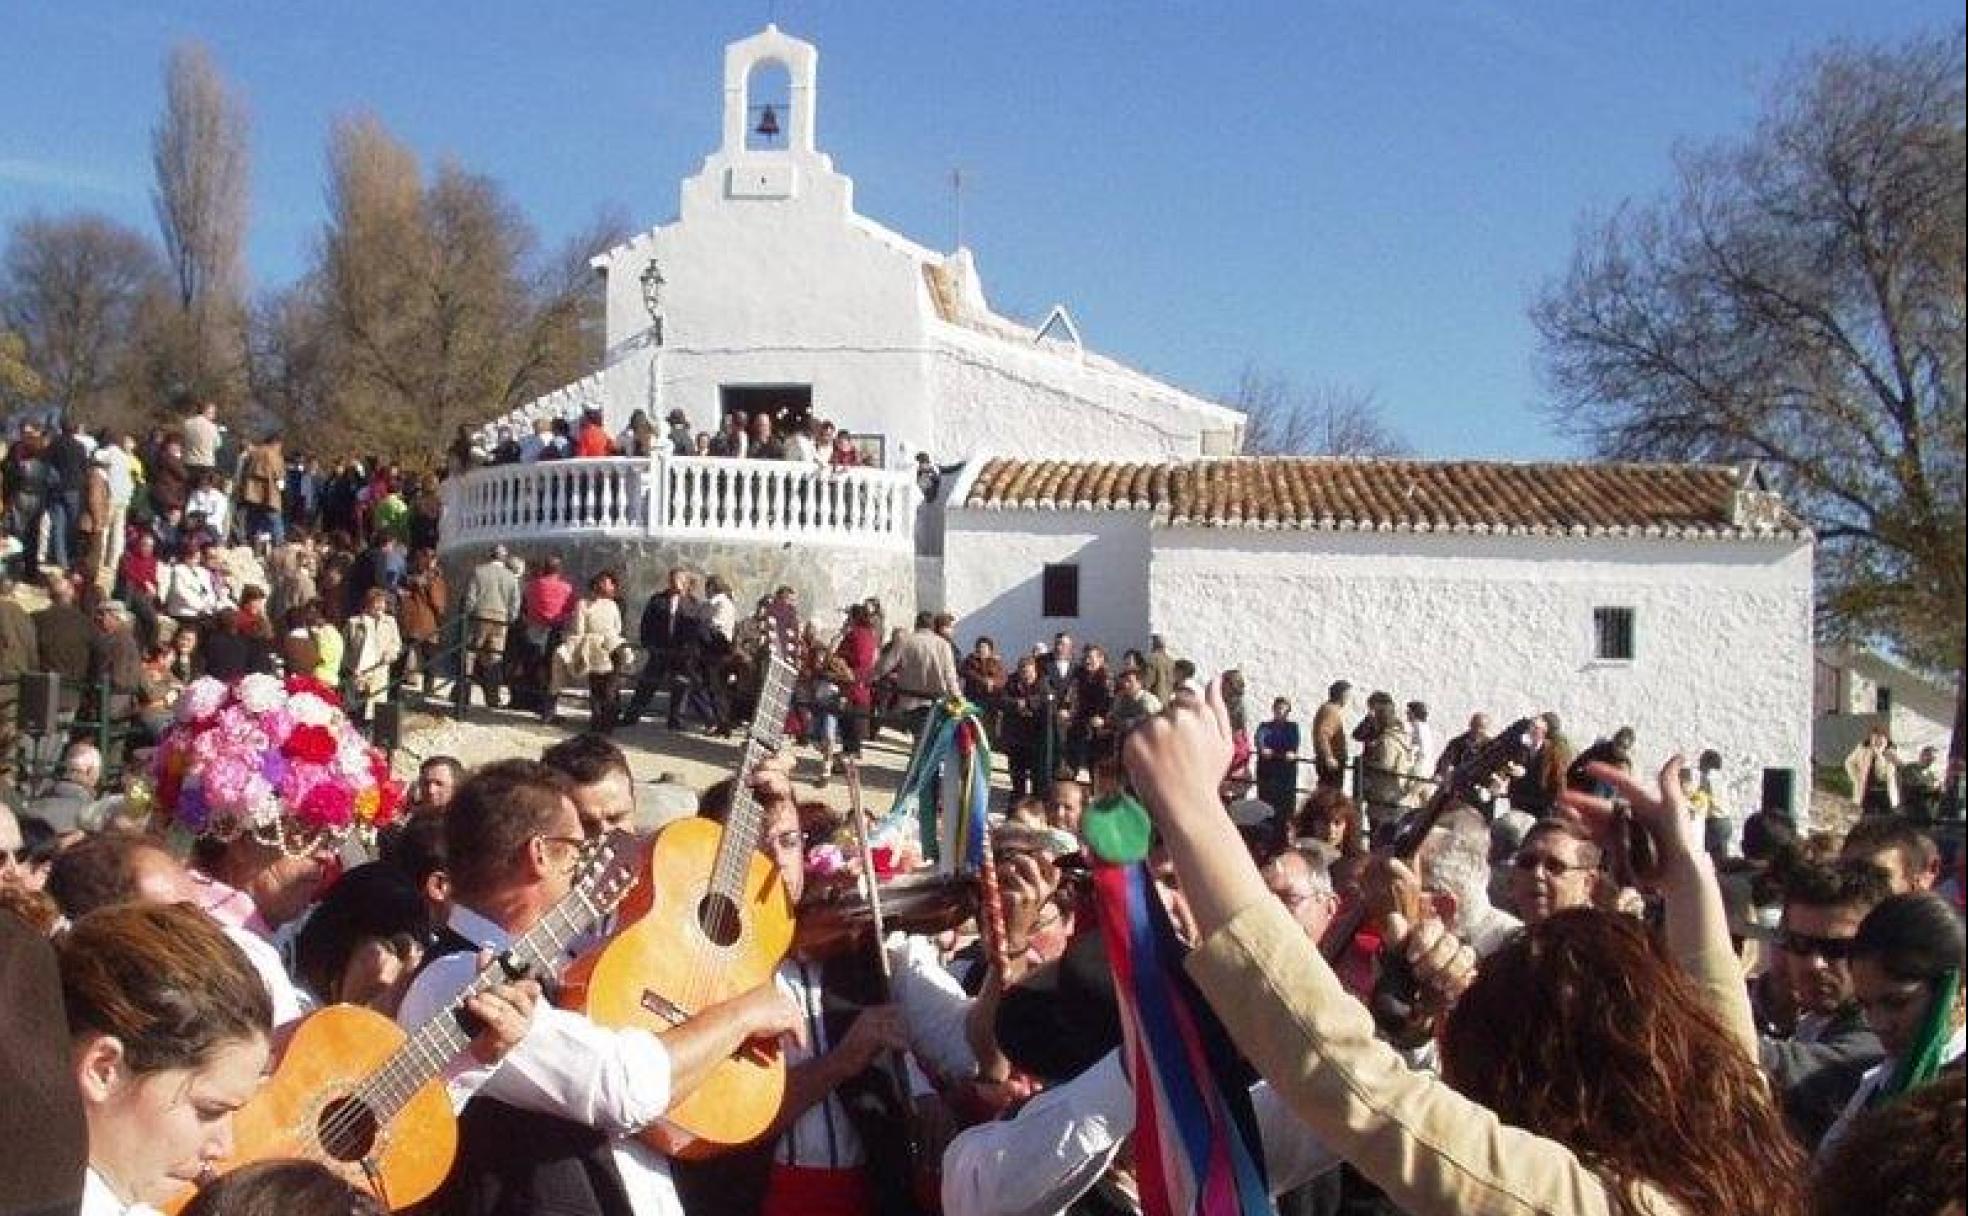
[
  {"x": 740, "y": 436},
  {"x": 1723, "y": 1036},
  {"x": 1575, "y": 983}
]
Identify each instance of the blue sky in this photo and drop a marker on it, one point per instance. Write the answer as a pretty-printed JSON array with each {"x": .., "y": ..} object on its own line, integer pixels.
[{"x": 1361, "y": 194}]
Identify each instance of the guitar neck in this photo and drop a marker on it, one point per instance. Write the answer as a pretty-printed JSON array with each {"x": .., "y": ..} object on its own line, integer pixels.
[
  {"x": 542, "y": 950},
  {"x": 747, "y": 819}
]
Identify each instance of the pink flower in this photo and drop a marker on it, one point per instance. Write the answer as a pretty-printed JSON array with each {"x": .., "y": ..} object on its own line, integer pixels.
[
  {"x": 278, "y": 724},
  {"x": 226, "y": 780},
  {"x": 328, "y": 805},
  {"x": 201, "y": 700}
]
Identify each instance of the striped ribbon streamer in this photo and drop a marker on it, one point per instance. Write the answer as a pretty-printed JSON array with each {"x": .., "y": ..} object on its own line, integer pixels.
[
  {"x": 949, "y": 771},
  {"x": 1194, "y": 1130}
]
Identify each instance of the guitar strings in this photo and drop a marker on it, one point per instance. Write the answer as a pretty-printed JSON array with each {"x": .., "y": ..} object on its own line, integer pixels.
[
  {"x": 725, "y": 917},
  {"x": 385, "y": 1094}
]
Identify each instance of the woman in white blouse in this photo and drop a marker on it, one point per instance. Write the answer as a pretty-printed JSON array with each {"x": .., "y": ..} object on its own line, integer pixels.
[
  {"x": 593, "y": 649},
  {"x": 169, "y": 1024}
]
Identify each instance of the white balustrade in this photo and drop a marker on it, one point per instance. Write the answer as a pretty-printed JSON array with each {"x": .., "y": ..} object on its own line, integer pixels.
[{"x": 684, "y": 497}]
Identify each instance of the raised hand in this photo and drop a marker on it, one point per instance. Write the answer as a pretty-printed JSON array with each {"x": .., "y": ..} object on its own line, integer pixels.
[
  {"x": 1662, "y": 813},
  {"x": 1176, "y": 758},
  {"x": 1026, "y": 881}
]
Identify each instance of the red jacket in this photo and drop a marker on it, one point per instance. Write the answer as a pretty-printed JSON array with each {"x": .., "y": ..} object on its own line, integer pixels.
[{"x": 593, "y": 440}]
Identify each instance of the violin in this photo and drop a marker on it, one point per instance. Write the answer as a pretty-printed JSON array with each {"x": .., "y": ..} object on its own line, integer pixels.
[{"x": 836, "y": 914}]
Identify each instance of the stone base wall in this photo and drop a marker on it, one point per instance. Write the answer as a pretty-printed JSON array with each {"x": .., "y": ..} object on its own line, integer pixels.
[{"x": 827, "y": 578}]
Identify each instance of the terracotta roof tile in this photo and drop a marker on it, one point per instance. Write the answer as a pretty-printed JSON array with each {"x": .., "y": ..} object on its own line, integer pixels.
[{"x": 1566, "y": 499}]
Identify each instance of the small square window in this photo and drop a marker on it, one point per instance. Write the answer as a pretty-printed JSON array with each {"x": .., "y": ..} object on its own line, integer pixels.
[
  {"x": 1882, "y": 700},
  {"x": 1612, "y": 633},
  {"x": 1060, "y": 591}
]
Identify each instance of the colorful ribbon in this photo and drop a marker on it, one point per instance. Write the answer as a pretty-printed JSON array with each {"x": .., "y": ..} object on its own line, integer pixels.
[
  {"x": 1195, "y": 1134},
  {"x": 949, "y": 771}
]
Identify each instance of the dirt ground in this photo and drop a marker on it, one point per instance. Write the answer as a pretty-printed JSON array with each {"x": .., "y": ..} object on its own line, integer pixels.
[{"x": 697, "y": 759}]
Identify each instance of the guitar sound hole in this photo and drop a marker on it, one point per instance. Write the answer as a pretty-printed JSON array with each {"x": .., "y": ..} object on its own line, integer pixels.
[
  {"x": 347, "y": 1129},
  {"x": 717, "y": 915}
]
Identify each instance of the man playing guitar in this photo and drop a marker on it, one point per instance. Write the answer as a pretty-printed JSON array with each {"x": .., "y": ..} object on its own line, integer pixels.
[
  {"x": 838, "y": 1144},
  {"x": 548, "y": 1127}
]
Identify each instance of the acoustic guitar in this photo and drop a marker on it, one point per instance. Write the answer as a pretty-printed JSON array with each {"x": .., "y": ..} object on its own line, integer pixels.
[
  {"x": 718, "y": 923},
  {"x": 356, "y": 1093},
  {"x": 1478, "y": 767}
]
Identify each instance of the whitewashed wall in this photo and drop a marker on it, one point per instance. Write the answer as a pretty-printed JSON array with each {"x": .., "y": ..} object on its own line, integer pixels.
[
  {"x": 1041, "y": 404},
  {"x": 991, "y": 571},
  {"x": 1922, "y": 714},
  {"x": 1504, "y": 624},
  {"x": 771, "y": 278}
]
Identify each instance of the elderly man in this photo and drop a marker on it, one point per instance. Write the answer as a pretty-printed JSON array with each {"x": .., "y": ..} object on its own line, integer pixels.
[
  {"x": 78, "y": 782},
  {"x": 492, "y": 600},
  {"x": 115, "y": 662},
  {"x": 1301, "y": 881},
  {"x": 924, "y": 670}
]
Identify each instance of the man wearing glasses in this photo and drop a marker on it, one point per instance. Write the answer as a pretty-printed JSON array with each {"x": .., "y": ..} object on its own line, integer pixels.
[
  {"x": 1557, "y": 867},
  {"x": 1816, "y": 1069},
  {"x": 549, "y": 1127}
]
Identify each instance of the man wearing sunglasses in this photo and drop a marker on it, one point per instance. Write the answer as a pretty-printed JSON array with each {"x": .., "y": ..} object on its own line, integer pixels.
[{"x": 1818, "y": 1067}]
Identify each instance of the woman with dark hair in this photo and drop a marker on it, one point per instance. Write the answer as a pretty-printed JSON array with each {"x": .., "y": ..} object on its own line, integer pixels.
[
  {"x": 1583, "y": 1070},
  {"x": 282, "y": 1188},
  {"x": 1906, "y": 963},
  {"x": 856, "y": 650},
  {"x": 365, "y": 939},
  {"x": 592, "y": 651},
  {"x": 1906, "y": 1158},
  {"x": 169, "y": 1024}
]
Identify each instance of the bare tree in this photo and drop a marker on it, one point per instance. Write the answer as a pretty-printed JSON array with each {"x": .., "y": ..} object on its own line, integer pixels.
[
  {"x": 1285, "y": 419},
  {"x": 1797, "y": 299},
  {"x": 290, "y": 376},
  {"x": 73, "y": 290},
  {"x": 199, "y": 155},
  {"x": 439, "y": 309}
]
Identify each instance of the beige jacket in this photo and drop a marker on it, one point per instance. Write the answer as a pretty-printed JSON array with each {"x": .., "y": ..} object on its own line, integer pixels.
[
  {"x": 1431, "y": 1149},
  {"x": 1861, "y": 758}
]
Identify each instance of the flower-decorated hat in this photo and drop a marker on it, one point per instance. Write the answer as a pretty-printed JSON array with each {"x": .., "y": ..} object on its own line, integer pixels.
[{"x": 274, "y": 760}]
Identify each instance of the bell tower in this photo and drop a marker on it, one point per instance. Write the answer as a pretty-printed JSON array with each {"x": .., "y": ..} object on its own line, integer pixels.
[{"x": 769, "y": 99}]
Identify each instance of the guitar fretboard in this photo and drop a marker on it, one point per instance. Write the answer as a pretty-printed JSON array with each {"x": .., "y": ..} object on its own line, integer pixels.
[
  {"x": 746, "y": 820},
  {"x": 433, "y": 1045}
]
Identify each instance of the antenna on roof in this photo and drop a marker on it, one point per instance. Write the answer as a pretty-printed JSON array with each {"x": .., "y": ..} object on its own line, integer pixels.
[{"x": 956, "y": 201}]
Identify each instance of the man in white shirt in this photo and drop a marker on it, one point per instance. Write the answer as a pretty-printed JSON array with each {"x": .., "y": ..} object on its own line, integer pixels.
[
  {"x": 549, "y": 1128},
  {"x": 120, "y": 469},
  {"x": 835, "y": 1145},
  {"x": 201, "y": 439}
]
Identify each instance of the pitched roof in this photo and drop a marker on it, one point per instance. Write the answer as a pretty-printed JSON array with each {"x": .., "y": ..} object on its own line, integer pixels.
[{"x": 1319, "y": 494}]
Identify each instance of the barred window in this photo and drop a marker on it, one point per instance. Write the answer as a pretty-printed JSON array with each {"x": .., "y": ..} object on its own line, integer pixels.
[
  {"x": 1060, "y": 590},
  {"x": 1612, "y": 631}
]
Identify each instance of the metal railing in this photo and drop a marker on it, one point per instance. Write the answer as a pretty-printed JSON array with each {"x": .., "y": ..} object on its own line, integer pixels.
[{"x": 37, "y": 751}]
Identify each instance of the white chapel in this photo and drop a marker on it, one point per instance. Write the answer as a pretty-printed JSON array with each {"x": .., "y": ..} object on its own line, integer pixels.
[{"x": 1085, "y": 497}]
